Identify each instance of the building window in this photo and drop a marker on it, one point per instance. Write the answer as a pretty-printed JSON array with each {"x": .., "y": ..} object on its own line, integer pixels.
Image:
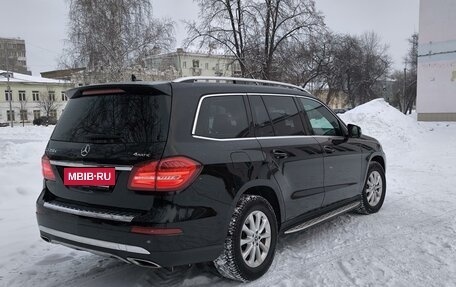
[
  {"x": 36, "y": 96},
  {"x": 23, "y": 115},
  {"x": 22, "y": 96},
  {"x": 206, "y": 66},
  {"x": 8, "y": 95},
  {"x": 53, "y": 114},
  {"x": 184, "y": 64},
  {"x": 52, "y": 96},
  {"x": 196, "y": 63},
  {"x": 10, "y": 117},
  {"x": 36, "y": 114},
  {"x": 64, "y": 97}
]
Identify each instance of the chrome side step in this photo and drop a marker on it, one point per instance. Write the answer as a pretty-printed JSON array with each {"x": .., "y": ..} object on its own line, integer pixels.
[{"x": 323, "y": 217}]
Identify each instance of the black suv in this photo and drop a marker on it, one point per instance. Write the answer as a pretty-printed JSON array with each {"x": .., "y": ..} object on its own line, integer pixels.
[{"x": 201, "y": 169}]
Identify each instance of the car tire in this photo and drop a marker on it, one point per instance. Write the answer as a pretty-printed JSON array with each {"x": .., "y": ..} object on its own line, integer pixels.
[
  {"x": 249, "y": 249},
  {"x": 374, "y": 189}
]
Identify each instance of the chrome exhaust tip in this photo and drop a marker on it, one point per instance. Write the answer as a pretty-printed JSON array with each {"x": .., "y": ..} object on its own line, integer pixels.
[{"x": 143, "y": 263}]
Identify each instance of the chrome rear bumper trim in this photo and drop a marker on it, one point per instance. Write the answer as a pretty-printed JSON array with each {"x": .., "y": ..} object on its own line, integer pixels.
[
  {"x": 94, "y": 242},
  {"x": 80, "y": 164},
  {"x": 92, "y": 214}
]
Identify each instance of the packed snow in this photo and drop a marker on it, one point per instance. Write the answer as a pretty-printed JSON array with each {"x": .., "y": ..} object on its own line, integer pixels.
[{"x": 410, "y": 242}]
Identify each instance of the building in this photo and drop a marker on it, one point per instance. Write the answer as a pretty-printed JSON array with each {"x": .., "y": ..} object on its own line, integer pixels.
[
  {"x": 436, "y": 95},
  {"x": 66, "y": 74},
  {"x": 31, "y": 97},
  {"x": 13, "y": 55},
  {"x": 186, "y": 64}
]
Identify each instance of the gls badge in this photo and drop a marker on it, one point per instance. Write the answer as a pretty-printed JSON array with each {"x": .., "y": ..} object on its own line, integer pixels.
[{"x": 85, "y": 150}]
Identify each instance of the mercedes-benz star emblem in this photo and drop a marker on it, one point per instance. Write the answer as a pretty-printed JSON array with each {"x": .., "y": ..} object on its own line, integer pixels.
[{"x": 85, "y": 150}]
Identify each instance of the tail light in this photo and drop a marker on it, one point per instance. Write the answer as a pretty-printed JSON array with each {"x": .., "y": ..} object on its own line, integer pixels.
[
  {"x": 46, "y": 168},
  {"x": 169, "y": 174}
]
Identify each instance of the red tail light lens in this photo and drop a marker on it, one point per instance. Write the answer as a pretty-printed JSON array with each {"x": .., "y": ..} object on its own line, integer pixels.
[
  {"x": 46, "y": 168},
  {"x": 169, "y": 174}
]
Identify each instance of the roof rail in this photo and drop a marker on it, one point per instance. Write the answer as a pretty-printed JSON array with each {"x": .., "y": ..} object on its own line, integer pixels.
[{"x": 215, "y": 79}]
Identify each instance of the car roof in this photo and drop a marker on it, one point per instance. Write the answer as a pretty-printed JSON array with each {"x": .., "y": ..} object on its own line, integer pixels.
[{"x": 167, "y": 87}]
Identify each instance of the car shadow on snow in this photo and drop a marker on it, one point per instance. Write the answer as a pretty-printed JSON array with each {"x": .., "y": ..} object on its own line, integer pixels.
[{"x": 98, "y": 271}]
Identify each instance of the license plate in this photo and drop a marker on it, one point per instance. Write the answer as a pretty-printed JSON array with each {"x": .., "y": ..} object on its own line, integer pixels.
[{"x": 89, "y": 176}]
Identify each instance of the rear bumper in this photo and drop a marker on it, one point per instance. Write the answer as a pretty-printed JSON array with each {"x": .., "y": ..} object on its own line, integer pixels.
[{"x": 201, "y": 240}]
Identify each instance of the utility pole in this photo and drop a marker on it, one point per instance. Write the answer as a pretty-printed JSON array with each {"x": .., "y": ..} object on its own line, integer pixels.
[
  {"x": 10, "y": 95},
  {"x": 8, "y": 88}
]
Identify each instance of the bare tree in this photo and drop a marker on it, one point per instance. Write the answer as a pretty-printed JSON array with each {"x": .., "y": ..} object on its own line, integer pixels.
[
  {"x": 254, "y": 31},
  {"x": 23, "y": 108},
  {"x": 305, "y": 63},
  {"x": 405, "y": 82},
  {"x": 109, "y": 36},
  {"x": 358, "y": 63},
  {"x": 47, "y": 102}
]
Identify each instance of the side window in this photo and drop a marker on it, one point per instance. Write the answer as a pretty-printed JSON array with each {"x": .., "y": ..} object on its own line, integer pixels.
[
  {"x": 323, "y": 122},
  {"x": 263, "y": 125},
  {"x": 222, "y": 117},
  {"x": 284, "y": 115}
]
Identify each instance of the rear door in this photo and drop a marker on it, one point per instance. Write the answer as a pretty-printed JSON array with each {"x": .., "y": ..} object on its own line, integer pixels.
[
  {"x": 295, "y": 159},
  {"x": 342, "y": 157},
  {"x": 114, "y": 127}
]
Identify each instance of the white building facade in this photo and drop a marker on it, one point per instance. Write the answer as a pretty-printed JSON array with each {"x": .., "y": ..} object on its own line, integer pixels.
[
  {"x": 436, "y": 95},
  {"x": 186, "y": 64},
  {"x": 28, "y": 94}
]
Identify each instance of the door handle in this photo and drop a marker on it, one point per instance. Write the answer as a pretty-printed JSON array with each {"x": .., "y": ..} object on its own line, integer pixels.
[
  {"x": 278, "y": 154},
  {"x": 329, "y": 149}
]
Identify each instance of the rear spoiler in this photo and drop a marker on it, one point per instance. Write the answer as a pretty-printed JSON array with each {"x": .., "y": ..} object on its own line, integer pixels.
[{"x": 119, "y": 88}]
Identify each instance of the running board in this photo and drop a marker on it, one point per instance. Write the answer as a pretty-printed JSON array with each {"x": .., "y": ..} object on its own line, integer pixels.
[{"x": 322, "y": 218}]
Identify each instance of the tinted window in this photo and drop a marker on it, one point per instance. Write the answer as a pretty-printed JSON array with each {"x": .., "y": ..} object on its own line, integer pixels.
[
  {"x": 263, "y": 125},
  {"x": 284, "y": 115},
  {"x": 323, "y": 122},
  {"x": 222, "y": 117},
  {"x": 121, "y": 118}
]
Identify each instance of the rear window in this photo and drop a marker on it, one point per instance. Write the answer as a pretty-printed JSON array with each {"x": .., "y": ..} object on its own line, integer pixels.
[{"x": 125, "y": 118}]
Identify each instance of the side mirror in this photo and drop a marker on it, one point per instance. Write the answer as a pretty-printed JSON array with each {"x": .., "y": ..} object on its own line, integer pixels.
[{"x": 354, "y": 131}]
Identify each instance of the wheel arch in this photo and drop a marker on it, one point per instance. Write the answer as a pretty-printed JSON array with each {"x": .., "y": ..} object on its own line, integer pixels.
[
  {"x": 380, "y": 159},
  {"x": 269, "y": 192},
  {"x": 374, "y": 157}
]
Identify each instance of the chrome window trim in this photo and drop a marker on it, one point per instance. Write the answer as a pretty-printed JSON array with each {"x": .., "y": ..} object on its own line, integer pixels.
[
  {"x": 94, "y": 242},
  {"x": 80, "y": 164},
  {"x": 195, "y": 120},
  {"x": 266, "y": 138},
  {"x": 87, "y": 213},
  {"x": 198, "y": 109}
]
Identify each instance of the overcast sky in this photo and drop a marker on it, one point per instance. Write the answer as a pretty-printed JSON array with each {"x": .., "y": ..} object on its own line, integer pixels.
[{"x": 42, "y": 23}]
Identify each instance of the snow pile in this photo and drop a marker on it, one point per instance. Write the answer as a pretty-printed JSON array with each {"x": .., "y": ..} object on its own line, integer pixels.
[{"x": 394, "y": 130}]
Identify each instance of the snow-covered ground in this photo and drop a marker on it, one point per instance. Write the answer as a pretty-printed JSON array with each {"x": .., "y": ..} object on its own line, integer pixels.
[{"x": 410, "y": 242}]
